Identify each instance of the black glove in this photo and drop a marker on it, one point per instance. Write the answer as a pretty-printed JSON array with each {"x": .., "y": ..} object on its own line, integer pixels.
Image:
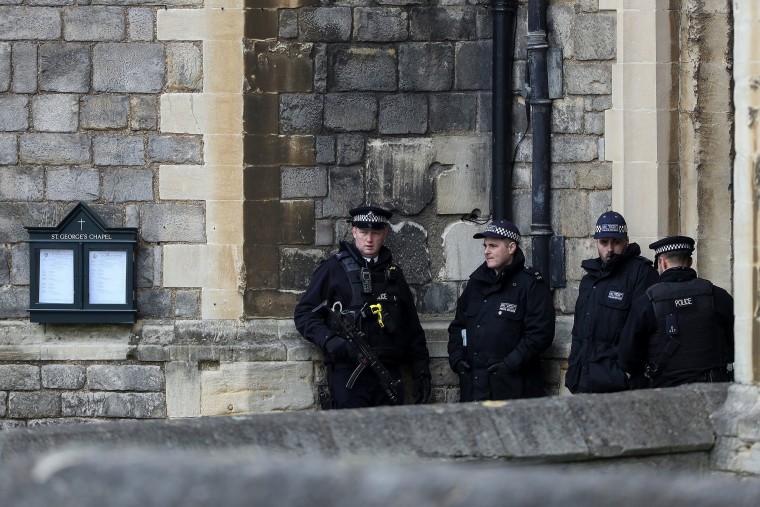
[
  {"x": 340, "y": 349},
  {"x": 500, "y": 367},
  {"x": 422, "y": 388},
  {"x": 462, "y": 366}
]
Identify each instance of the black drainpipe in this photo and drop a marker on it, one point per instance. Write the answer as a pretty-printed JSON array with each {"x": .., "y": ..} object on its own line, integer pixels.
[
  {"x": 504, "y": 13},
  {"x": 541, "y": 117}
]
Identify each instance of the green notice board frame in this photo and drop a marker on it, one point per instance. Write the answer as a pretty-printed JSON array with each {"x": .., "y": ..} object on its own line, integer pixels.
[{"x": 82, "y": 272}]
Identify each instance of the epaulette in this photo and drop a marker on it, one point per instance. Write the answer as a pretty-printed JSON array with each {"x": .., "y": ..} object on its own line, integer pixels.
[{"x": 534, "y": 273}]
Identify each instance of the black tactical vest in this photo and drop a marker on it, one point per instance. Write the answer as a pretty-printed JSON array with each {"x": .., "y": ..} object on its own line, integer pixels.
[{"x": 701, "y": 340}]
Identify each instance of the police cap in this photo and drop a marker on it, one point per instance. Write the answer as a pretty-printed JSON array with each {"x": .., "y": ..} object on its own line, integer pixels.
[
  {"x": 500, "y": 229},
  {"x": 611, "y": 225},
  {"x": 681, "y": 244},
  {"x": 369, "y": 217}
]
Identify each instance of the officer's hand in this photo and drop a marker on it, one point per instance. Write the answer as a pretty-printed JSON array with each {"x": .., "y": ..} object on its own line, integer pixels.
[
  {"x": 500, "y": 367},
  {"x": 338, "y": 348},
  {"x": 462, "y": 366},
  {"x": 422, "y": 388}
]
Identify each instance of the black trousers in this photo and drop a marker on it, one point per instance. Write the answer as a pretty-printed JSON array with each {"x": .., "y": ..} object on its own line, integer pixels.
[{"x": 367, "y": 390}]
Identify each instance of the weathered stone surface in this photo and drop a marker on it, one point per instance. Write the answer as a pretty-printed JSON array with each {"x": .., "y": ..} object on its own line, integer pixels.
[
  {"x": 453, "y": 112},
  {"x": 54, "y": 149},
  {"x": 403, "y": 114},
  {"x": 154, "y": 303},
  {"x": 73, "y": 183},
  {"x": 19, "y": 377},
  {"x": 14, "y": 216},
  {"x": 297, "y": 266},
  {"x": 13, "y": 302},
  {"x": 346, "y": 112},
  {"x": 21, "y": 183},
  {"x": 62, "y": 376},
  {"x": 304, "y": 182},
  {"x": 125, "y": 378},
  {"x": 140, "y": 24},
  {"x": 172, "y": 222},
  {"x": 473, "y": 65},
  {"x": 301, "y": 113},
  {"x": 30, "y": 23},
  {"x": 397, "y": 173},
  {"x": 175, "y": 149},
  {"x": 93, "y": 24},
  {"x": 325, "y": 150},
  {"x": 105, "y": 111},
  {"x": 352, "y": 68},
  {"x": 5, "y": 66},
  {"x": 349, "y": 149},
  {"x": 5, "y": 272},
  {"x": 438, "y": 299},
  {"x": 144, "y": 113},
  {"x": 574, "y": 149},
  {"x": 184, "y": 67},
  {"x": 408, "y": 242},
  {"x": 27, "y": 405},
  {"x": 125, "y": 185},
  {"x": 372, "y": 24},
  {"x": 257, "y": 387},
  {"x": 8, "y": 149},
  {"x": 133, "y": 68},
  {"x": 567, "y": 115},
  {"x": 280, "y": 67},
  {"x": 588, "y": 79},
  {"x": 118, "y": 150},
  {"x": 443, "y": 23},
  {"x": 64, "y": 67},
  {"x": 288, "y": 23},
  {"x": 117, "y": 405},
  {"x": 55, "y": 113},
  {"x": 346, "y": 192},
  {"x": 24, "y": 67},
  {"x": 325, "y": 24},
  {"x": 187, "y": 304},
  {"x": 14, "y": 113},
  {"x": 594, "y": 36},
  {"x": 425, "y": 66},
  {"x": 464, "y": 177},
  {"x": 462, "y": 254}
]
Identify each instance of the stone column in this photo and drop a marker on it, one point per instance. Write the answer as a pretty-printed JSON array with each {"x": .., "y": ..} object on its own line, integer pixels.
[
  {"x": 747, "y": 188},
  {"x": 217, "y": 113},
  {"x": 640, "y": 129}
]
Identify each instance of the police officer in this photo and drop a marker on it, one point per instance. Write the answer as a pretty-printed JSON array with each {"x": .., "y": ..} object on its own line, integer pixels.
[
  {"x": 504, "y": 321},
  {"x": 613, "y": 280},
  {"x": 682, "y": 329},
  {"x": 363, "y": 273}
]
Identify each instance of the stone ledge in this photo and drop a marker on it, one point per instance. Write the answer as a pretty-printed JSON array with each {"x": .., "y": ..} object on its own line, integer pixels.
[{"x": 544, "y": 430}]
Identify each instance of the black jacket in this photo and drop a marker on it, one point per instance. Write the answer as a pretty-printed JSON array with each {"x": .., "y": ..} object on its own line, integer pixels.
[
  {"x": 507, "y": 318},
  {"x": 640, "y": 341},
  {"x": 330, "y": 282},
  {"x": 605, "y": 297}
]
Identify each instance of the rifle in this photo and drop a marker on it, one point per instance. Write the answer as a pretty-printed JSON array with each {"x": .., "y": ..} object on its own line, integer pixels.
[{"x": 345, "y": 323}]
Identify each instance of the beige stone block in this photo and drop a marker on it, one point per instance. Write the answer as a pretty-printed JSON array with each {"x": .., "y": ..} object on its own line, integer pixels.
[
  {"x": 618, "y": 184},
  {"x": 221, "y": 304},
  {"x": 224, "y": 60},
  {"x": 208, "y": 266},
  {"x": 610, "y": 5},
  {"x": 462, "y": 254},
  {"x": 193, "y": 182},
  {"x": 658, "y": 45},
  {"x": 649, "y": 136},
  {"x": 613, "y": 135},
  {"x": 224, "y": 222},
  {"x": 32, "y": 342},
  {"x": 650, "y": 5},
  {"x": 227, "y": 4},
  {"x": 183, "y": 389},
  {"x": 646, "y": 201},
  {"x": 644, "y": 85},
  {"x": 257, "y": 387},
  {"x": 223, "y": 150},
  {"x": 467, "y": 186},
  {"x": 200, "y": 24},
  {"x": 193, "y": 113}
]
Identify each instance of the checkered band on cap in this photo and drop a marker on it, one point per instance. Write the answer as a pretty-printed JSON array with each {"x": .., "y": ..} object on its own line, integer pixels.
[
  {"x": 617, "y": 228},
  {"x": 370, "y": 218},
  {"x": 502, "y": 231},
  {"x": 674, "y": 247}
]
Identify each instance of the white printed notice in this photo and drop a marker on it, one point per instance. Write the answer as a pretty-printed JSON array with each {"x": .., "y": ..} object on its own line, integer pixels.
[
  {"x": 56, "y": 276},
  {"x": 108, "y": 277}
]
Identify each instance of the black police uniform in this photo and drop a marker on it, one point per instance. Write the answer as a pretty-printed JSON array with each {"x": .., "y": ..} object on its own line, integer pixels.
[
  {"x": 508, "y": 318},
  {"x": 699, "y": 340},
  {"x": 404, "y": 344},
  {"x": 605, "y": 297}
]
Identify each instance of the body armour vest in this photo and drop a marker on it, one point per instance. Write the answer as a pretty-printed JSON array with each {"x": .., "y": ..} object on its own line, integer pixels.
[{"x": 697, "y": 331}]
